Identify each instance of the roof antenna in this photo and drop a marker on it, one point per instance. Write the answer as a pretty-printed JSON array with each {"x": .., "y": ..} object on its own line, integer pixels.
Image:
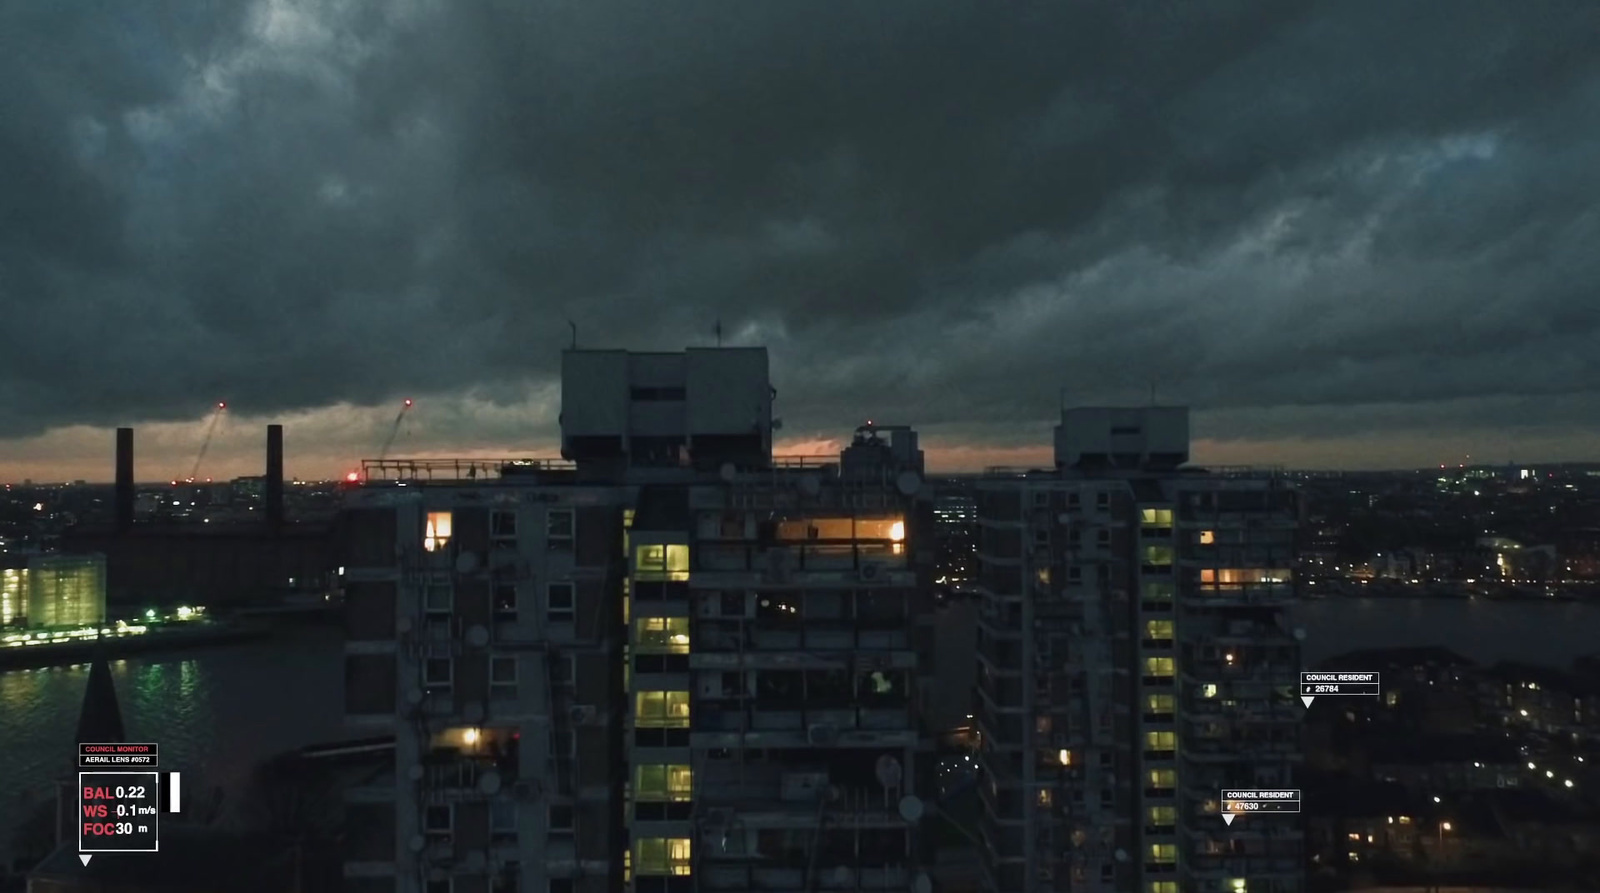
[
  {"x": 574, "y": 326},
  {"x": 1152, "y": 392},
  {"x": 718, "y": 329}
]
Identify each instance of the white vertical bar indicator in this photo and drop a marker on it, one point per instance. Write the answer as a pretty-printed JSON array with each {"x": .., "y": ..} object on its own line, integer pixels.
[{"x": 172, "y": 791}]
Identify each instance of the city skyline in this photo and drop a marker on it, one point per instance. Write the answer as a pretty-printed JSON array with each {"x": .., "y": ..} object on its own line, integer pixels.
[{"x": 953, "y": 216}]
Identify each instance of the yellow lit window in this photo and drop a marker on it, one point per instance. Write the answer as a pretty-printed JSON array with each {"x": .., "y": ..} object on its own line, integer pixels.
[
  {"x": 1160, "y": 556},
  {"x": 1208, "y": 537},
  {"x": 1163, "y": 815},
  {"x": 662, "y": 710},
  {"x": 1044, "y": 797},
  {"x": 665, "y": 782},
  {"x": 1160, "y": 630},
  {"x": 1160, "y": 740},
  {"x": 1209, "y": 690},
  {"x": 663, "y": 856},
  {"x": 627, "y": 604},
  {"x": 1155, "y": 517},
  {"x": 1159, "y": 666},
  {"x": 662, "y": 635},
  {"x": 658, "y": 562},
  {"x": 627, "y": 667},
  {"x": 627, "y": 866},
  {"x": 1064, "y": 757},
  {"x": 1158, "y": 704},
  {"x": 1162, "y": 887},
  {"x": 1163, "y": 853},
  {"x": 436, "y": 532},
  {"x": 1238, "y": 885},
  {"x": 1042, "y": 575},
  {"x": 1163, "y": 778}
]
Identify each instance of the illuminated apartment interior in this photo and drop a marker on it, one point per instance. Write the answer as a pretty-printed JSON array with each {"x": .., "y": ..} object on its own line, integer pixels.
[{"x": 1134, "y": 659}]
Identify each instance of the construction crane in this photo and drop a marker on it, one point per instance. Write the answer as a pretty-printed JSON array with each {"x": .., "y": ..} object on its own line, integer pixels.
[
  {"x": 205, "y": 443},
  {"x": 394, "y": 430}
]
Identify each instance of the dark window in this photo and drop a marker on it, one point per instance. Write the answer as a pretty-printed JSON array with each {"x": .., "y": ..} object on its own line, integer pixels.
[
  {"x": 505, "y": 599},
  {"x": 659, "y": 395},
  {"x": 438, "y": 820},
  {"x": 560, "y": 820},
  {"x": 503, "y": 525},
  {"x": 436, "y": 672},
  {"x": 560, "y": 598}
]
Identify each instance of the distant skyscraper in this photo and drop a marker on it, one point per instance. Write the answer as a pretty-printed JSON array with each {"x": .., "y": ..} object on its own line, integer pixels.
[
  {"x": 1134, "y": 660},
  {"x": 669, "y": 663}
]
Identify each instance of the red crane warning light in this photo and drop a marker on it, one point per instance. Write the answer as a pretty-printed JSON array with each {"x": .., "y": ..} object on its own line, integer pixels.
[
  {"x": 353, "y": 477},
  {"x": 408, "y": 401}
]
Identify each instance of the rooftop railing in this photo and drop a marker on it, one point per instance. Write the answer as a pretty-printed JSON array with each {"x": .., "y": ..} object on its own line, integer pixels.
[{"x": 378, "y": 471}]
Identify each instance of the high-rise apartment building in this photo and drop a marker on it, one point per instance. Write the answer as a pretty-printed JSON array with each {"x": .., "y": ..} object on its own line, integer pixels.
[
  {"x": 667, "y": 663},
  {"x": 1134, "y": 660}
]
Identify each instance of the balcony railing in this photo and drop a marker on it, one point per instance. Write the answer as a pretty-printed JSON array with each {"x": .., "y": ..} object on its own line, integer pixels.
[{"x": 455, "y": 471}]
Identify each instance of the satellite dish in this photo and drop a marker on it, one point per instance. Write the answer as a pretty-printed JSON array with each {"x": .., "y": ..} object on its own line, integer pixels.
[
  {"x": 912, "y": 809},
  {"x": 1121, "y": 854},
  {"x": 473, "y": 712},
  {"x": 1299, "y": 634},
  {"x": 466, "y": 562},
  {"x": 414, "y": 695},
  {"x": 888, "y": 769},
  {"x": 475, "y": 861},
  {"x": 727, "y": 472},
  {"x": 403, "y": 624},
  {"x": 908, "y": 483},
  {"x": 810, "y": 486},
  {"x": 1063, "y": 518},
  {"x": 923, "y": 883},
  {"x": 415, "y": 772},
  {"x": 417, "y": 843},
  {"x": 477, "y": 637},
  {"x": 489, "y": 783}
]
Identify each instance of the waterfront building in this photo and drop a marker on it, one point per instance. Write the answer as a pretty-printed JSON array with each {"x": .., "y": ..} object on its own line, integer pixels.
[
  {"x": 51, "y": 590},
  {"x": 1134, "y": 660},
  {"x": 668, "y": 662}
]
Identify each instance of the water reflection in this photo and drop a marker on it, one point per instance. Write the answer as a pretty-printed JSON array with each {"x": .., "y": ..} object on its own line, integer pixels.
[{"x": 215, "y": 713}]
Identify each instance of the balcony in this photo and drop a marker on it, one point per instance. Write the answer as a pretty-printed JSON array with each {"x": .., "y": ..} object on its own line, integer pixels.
[{"x": 803, "y": 727}]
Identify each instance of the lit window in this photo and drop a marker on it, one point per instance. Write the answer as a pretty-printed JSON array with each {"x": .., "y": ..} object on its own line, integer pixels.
[
  {"x": 1234, "y": 577},
  {"x": 1163, "y": 853},
  {"x": 659, "y": 562},
  {"x": 1165, "y": 779},
  {"x": 659, "y": 856},
  {"x": 1159, "y": 666},
  {"x": 1158, "y": 704},
  {"x": 436, "y": 532},
  {"x": 1161, "y": 816},
  {"x": 661, "y": 782},
  {"x": 1155, "y": 518},
  {"x": 1045, "y": 797},
  {"x": 1160, "y": 630},
  {"x": 662, "y": 635},
  {"x": 1064, "y": 757},
  {"x": 1208, "y": 537},
  {"x": 1208, "y": 690},
  {"x": 662, "y": 710},
  {"x": 1238, "y": 885},
  {"x": 1160, "y": 740},
  {"x": 1162, "y": 887}
]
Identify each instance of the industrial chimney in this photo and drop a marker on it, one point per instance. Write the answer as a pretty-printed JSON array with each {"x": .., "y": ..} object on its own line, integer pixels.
[
  {"x": 274, "y": 483},
  {"x": 124, "y": 492}
]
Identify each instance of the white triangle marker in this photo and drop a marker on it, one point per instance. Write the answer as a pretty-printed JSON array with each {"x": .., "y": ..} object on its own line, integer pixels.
[
  {"x": 1227, "y": 818},
  {"x": 85, "y": 857},
  {"x": 1306, "y": 700}
]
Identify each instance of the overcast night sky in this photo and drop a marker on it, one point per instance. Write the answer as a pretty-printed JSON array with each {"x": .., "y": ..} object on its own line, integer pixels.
[{"x": 1350, "y": 234}]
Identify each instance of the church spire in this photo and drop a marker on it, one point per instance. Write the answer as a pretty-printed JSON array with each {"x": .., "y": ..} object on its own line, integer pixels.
[{"x": 100, "y": 721}]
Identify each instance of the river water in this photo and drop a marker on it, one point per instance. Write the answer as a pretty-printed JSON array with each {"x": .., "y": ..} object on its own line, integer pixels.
[
  {"x": 217, "y": 712},
  {"x": 214, "y": 712}
]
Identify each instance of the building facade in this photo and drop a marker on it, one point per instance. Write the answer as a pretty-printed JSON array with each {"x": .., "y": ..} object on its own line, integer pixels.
[
  {"x": 1135, "y": 659},
  {"x": 668, "y": 662}
]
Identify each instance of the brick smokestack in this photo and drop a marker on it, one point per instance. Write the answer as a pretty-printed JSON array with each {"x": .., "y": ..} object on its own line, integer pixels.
[
  {"x": 124, "y": 491},
  {"x": 274, "y": 482}
]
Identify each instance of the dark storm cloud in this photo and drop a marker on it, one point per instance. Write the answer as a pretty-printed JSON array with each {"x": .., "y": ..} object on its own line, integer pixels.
[{"x": 947, "y": 212}]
